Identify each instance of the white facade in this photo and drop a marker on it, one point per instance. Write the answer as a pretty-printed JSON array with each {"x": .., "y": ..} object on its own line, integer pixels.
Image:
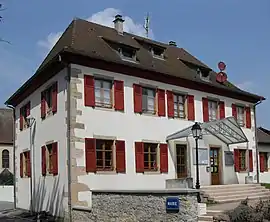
[
  {"x": 265, "y": 176},
  {"x": 51, "y": 191},
  {"x": 3, "y": 149}
]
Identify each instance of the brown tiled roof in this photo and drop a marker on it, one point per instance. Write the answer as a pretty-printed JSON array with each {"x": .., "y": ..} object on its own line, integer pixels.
[
  {"x": 6, "y": 126},
  {"x": 263, "y": 135},
  {"x": 91, "y": 40}
]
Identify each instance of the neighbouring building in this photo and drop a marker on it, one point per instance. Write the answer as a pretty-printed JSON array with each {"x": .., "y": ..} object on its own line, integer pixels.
[
  {"x": 104, "y": 106},
  {"x": 6, "y": 140},
  {"x": 263, "y": 137}
]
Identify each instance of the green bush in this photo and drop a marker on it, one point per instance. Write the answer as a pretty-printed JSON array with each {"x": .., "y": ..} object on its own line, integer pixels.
[{"x": 246, "y": 213}]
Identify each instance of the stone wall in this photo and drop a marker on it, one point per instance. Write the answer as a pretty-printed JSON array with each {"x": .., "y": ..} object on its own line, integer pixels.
[{"x": 139, "y": 206}]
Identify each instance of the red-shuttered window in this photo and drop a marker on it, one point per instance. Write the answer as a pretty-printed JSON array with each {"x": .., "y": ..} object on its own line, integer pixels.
[
  {"x": 24, "y": 113},
  {"x": 242, "y": 115},
  {"x": 213, "y": 109},
  {"x": 49, "y": 159},
  {"x": 151, "y": 157},
  {"x": 49, "y": 101},
  {"x": 105, "y": 93},
  {"x": 240, "y": 160},
  {"x": 25, "y": 164},
  {"x": 264, "y": 161},
  {"x": 105, "y": 155}
]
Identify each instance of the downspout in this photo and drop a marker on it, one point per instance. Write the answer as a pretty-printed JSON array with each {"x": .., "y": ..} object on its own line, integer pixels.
[
  {"x": 14, "y": 164},
  {"x": 68, "y": 136},
  {"x": 256, "y": 141}
]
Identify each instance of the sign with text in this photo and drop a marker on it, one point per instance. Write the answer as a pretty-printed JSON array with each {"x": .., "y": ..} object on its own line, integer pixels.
[
  {"x": 172, "y": 204},
  {"x": 229, "y": 159}
]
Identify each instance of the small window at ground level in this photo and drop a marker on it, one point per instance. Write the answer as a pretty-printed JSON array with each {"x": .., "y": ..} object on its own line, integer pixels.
[
  {"x": 150, "y": 156},
  {"x": 103, "y": 93},
  {"x": 5, "y": 159},
  {"x": 242, "y": 160},
  {"x": 104, "y": 154},
  {"x": 148, "y": 100}
]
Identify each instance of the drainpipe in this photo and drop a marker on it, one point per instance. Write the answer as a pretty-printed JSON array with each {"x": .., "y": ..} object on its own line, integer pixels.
[
  {"x": 256, "y": 141},
  {"x": 14, "y": 164},
  {"x": 68, "y": 66}
]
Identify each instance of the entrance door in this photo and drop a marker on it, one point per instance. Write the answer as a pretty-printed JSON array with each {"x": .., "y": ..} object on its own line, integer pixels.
[
  {"x": 181, "y": 160},
  {"x": 214, "y": 163}
]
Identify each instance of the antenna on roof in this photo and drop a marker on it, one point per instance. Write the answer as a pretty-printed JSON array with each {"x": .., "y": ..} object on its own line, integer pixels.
[{"x": 146, "y": 24}]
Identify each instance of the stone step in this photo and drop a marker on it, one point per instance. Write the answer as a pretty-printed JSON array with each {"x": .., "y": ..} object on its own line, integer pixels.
[
  {"x": 214, "y": 212},
  {"x": 205, "y": 218},
  {"x": 228, "y": 191},
  {"x": 230, "y": 199},
  {"x": 230, "y": 187},
  {"x": 233, "y": 193}
]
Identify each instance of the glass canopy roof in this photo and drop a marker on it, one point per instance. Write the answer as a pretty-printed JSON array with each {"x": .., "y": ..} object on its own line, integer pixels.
[{"x": 227, "y": 130}]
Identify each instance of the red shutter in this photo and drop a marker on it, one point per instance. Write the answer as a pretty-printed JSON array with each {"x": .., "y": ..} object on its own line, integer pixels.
[
  {"x": 118, "y": 95},
  {"x": 191, "y": 108},
  {"x": 55, "y": 158},
  {"x": 137, "y": 94},
  {"x": 120, "y": 156},
  {"x": 161, "y": 102},
  {"x": 261, "y": 163},
  {"x": 170, "y": 104},
  {"x": 54, "y": 97},
  {"x": 28, "y": 163},
  {"x": 250, "y": 161},
  {"x": 90, "y": 154},
  {"x": 236, "y": 160},
  {"x": 89, "y": 90},
  {"x": 21, "y": 119},
  {"x": 221, "y": 110},
  {"x": 139, "y": 156},
  {"x": 28, "y": 107},
  {"x": 163, "y": 158},
  {"x": 234, "y": 112},
  {"x": 43, "y": 160},
  {"x": 43, "y": 105},
  {"x": 248, "y": 117},
  {"x": 21, "y": 164},
  {"x": 205, "y": 109}
]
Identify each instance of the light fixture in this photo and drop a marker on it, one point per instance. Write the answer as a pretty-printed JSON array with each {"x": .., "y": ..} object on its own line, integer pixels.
[{"x": 196, "y": 130}]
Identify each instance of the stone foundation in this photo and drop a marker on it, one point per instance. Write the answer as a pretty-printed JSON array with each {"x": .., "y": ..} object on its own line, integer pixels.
[{"x": 139, "y": 206}]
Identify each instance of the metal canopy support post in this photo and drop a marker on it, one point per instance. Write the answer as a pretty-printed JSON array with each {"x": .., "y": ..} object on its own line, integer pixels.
[{"x": 248, "y": 166}]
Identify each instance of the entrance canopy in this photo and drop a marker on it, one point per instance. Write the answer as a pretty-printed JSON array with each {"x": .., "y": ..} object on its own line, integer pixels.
[{"x": 227, "y": 130}]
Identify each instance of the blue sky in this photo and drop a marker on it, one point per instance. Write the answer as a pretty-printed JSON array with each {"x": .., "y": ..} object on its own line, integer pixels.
[{"x": 236, "y": 32}]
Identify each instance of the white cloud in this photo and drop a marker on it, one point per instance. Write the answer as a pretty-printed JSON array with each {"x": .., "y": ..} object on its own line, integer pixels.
[
  {"x": 246, "y": 85},
  {"x": 105, "y": 18}
]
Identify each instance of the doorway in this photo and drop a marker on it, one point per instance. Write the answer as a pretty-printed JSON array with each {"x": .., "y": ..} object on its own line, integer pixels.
[
  {"x": 215, "y": 165},
  {"x": 181, "y": 160}
]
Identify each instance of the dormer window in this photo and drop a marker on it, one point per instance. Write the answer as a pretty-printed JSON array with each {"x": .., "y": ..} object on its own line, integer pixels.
[
  {"x": 157, "y": 52},
  {"x": 127, "y": 53},
  {"x": 204, "y": 74}
]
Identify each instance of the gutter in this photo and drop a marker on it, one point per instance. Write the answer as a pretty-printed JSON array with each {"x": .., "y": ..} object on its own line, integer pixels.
[
  {"x": 68, "y": 66},
  {"x": 14, "y": 164},
  {"x": 256, "y": 140}
]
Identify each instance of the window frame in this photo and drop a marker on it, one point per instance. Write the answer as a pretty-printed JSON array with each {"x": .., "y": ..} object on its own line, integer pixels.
[
  {"x": 265, "y": 157},
  {"x": 242, "y": 159},
  {"x": 152, "y": 50},
  {"x": 210, "y": 109},
  {"x": 103, "y": 151},
  {"x": 156, "y": 162},
  {"x": 127, "y": 58},
  {"x": 48, "y": 98},
  {"x": 25, "y": 163},
  {"x": 5, "y": 157},
  {"x": 184, "y": 97},
  {"x": 23, "y": 113},
  {"x": 102, "y": 80},
  {"x": 184, "y": 154},
  {"x": 243, "y": 124},
  {"x": 49, "y": 159},
  {"x": 154, "y": 90}
]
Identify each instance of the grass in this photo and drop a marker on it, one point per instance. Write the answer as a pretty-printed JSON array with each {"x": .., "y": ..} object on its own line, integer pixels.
[{"x": 266, "y": 185}]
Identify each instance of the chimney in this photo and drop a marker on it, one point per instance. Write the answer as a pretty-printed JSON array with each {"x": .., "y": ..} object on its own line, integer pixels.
[
  {"x": 118, "y": 24},
  {"x": 172, "y": 43}
]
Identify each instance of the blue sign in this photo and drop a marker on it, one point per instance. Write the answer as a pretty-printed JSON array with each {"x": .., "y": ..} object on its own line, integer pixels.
[{"x": 172, "y": 204}]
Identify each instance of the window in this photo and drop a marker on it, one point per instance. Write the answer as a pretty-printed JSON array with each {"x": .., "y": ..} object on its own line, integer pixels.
[
  {"x": 157, "y": 52},
  {"x": 242, "y": 160},
  {"x": 263, "y": 162},
  {"x": 5, "y": 159},
  {"x": 49, "y": 162},
  {"x": 104, "y": 154},
  {"x": 212, "y": 110},
  {"x": 179, "y": 106},
  {"x": 150, "y": 156},
  {"x": 49, "y": 101},
  {"x": 25, "y": 164},
  {"x": 148, "y": 100},
  {"x": 240, "y": 115},
  {"x": 24, "y": 113},
  {"x": 127, "y": 53},
  {"x": 181, "y": 161},
  {"x": 103, "y": 93}
]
